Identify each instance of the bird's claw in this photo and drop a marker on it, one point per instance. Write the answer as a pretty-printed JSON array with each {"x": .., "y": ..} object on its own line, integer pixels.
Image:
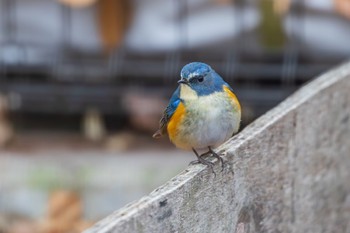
[
  {"x": 203, "y": 161},
  {"x": 194, "y": 162},
  {"x": 206, "y": 162},
  {"x": 218, "y": 157}
]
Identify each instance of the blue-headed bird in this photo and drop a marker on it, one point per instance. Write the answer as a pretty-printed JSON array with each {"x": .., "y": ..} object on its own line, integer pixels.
[{"x": 202, "y": 113}]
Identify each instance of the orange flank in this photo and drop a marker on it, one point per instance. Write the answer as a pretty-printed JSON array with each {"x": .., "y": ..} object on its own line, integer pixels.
[
  {"x": 234, "y": 98},
  {"x": 175, "y": 120}
]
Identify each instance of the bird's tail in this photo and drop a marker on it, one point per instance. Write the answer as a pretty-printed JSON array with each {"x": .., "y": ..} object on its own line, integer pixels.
[{"x": 158, "y": 134}]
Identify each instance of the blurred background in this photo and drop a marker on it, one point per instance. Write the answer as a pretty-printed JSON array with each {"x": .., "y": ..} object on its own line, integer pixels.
[{"x": 83, "y": 84}]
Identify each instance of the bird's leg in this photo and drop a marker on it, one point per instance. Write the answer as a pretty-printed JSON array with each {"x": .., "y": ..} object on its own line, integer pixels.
[
  {"x": 202, "y": 161},
  {"x": 217, "y": 156},
  {"x": 205, "y": 154}
]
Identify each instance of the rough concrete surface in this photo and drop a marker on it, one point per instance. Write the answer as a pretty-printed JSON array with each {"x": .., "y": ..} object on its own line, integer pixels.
[{"x": 289, "y": 171}]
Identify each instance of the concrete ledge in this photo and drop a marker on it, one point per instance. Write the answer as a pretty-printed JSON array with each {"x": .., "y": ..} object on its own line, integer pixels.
[{"x": 286, "y": 172}]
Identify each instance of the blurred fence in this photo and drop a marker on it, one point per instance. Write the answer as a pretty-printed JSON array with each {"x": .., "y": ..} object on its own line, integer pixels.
[
  {"x": 287, "y": 172},
  {"x": 60, "y": 59}
]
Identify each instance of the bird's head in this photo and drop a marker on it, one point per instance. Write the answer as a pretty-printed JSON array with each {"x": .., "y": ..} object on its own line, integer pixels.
[{"x": 198, "y": 79}]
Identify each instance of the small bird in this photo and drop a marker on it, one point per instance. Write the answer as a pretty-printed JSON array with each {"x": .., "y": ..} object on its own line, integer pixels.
[{"x": 203, "y": 112}]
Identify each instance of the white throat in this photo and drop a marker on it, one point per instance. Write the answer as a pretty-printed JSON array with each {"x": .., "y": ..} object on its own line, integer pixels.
[{"x": 187, "y": 93}]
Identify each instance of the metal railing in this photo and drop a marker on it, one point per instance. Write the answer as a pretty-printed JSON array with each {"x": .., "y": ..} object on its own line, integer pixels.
[{"x": 72, "y": 80}]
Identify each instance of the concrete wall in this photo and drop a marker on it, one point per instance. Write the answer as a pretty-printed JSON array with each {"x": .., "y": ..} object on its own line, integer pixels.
[{"x": 289, "y": 171}]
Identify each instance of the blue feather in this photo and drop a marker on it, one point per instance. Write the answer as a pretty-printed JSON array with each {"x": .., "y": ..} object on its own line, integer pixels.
[
  {"x": 210, "y": 80},
  {"x": 169, "y": 111},
  {"x": 173, "y": 103},
  {"x": 195, "y": 67}
]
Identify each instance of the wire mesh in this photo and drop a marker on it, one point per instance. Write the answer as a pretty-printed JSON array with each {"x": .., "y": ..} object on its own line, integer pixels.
[{"x": 70, "y": 80}]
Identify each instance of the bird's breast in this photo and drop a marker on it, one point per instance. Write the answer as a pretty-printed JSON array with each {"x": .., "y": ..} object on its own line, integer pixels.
[
  {"x": 205, "y": 121},
  {"x": 208, "y": 108}
]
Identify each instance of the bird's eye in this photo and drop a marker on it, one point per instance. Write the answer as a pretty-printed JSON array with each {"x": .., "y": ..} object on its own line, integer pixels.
[{"x": 200, "y": 79}]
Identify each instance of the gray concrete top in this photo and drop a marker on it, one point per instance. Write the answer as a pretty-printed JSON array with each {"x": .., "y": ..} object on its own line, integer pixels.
[{"x": 286, "y": 172}]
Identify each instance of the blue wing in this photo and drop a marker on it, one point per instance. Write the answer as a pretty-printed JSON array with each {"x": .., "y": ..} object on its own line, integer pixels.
[
  {"x": 169, "y": 111},
  {"x": 173, "y": 103}
]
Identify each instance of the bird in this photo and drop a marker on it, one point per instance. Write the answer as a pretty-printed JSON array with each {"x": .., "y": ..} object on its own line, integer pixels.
[{"x": 202, "y": 113}]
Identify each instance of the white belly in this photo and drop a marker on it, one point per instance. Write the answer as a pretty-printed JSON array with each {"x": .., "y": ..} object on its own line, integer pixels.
[{"x": 209, "y": 121}]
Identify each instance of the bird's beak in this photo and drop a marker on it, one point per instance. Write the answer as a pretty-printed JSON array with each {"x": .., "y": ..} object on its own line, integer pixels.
[{"x": 183, "y": 81}]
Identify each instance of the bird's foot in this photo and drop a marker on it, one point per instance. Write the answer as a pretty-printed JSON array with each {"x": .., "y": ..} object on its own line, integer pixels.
[
  {"x": 217, "y": 156},
  {"x": 203, "y": 161},
  {"x": 201, "y": 155}
]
